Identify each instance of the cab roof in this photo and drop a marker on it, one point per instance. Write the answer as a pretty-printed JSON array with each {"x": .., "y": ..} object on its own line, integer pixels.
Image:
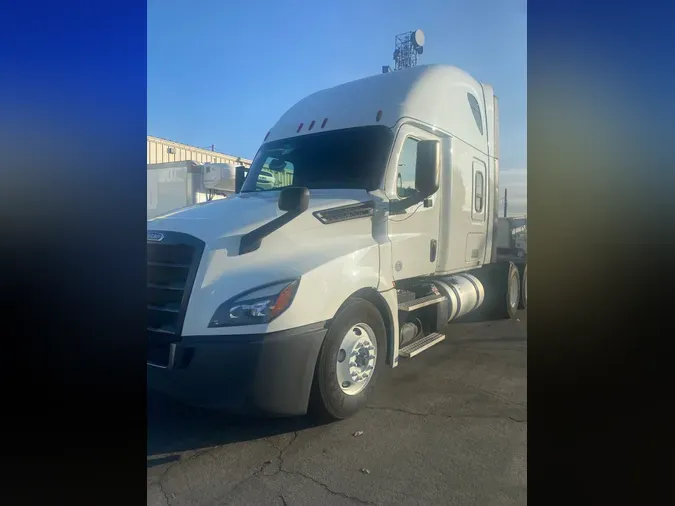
[{"x": 436, "y": 95}]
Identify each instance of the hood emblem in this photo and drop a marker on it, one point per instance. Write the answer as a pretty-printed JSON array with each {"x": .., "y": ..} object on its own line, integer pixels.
[{"x": 155, "y": 236}]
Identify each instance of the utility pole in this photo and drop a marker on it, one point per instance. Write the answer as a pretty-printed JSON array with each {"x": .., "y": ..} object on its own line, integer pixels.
[{"x": 506, "y": 200}]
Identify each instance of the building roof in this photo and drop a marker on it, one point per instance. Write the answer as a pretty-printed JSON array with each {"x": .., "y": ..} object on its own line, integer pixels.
[{"x": 194, "y": 148}]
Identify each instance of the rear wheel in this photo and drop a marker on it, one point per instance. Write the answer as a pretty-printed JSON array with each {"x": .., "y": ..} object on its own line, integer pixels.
[
  {"x": 502, "y": 290},
  {"x": 513, "y": 292},
  {"x": 523, "y": 290},
  {"x": 349, "y": 361}
]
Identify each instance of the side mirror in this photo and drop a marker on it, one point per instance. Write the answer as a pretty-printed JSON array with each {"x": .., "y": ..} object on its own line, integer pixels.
[
  {"x": 294, "y": 199},
  {"x": 427, "y": 170},
  {"x": 239, "y": 176}
]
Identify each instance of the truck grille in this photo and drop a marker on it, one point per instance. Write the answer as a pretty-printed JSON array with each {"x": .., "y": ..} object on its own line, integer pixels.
[{"x": 172, "y": 267}]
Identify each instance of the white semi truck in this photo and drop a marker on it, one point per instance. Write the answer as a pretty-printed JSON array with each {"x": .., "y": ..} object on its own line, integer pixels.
[{"x": 293, "y": 298}]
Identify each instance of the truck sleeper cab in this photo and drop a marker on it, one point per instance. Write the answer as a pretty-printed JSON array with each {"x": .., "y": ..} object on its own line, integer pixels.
[{"x": 377, "y": 231}]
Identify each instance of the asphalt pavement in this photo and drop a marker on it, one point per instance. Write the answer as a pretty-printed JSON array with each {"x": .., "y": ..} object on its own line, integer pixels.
[{"x": 446, "y": 427}]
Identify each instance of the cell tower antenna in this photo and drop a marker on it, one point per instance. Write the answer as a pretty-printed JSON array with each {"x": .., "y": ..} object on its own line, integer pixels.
[{"x": 409, "y": 46}]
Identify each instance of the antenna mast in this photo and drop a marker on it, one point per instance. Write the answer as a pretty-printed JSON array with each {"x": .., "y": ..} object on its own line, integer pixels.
[{"x": 408, "y": 46}]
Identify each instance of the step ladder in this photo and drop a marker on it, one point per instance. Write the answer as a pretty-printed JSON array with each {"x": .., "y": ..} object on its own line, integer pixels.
[
  {"x": 417, "y": 347},
  {"x": 428, "y": 300}
]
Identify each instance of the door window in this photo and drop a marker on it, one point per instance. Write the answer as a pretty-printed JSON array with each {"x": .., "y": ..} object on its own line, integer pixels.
[{"x": 405, "y": 178}]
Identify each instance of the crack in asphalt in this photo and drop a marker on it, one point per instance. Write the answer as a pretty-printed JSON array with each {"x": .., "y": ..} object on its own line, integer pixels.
[
  {"x": 207, "y": 451},
  {"x": 179, "y": 462},
  {"x": 419, "y": 413},
  {"x": 261, "y": 468},
  {"x": 166, "y": 496},
  {"x": 327, "y": 488},
  {"x": 282, "y": 449},
  {"x": 285, "y": 448},
  {"x": 488, "y": 392},
  {"x": 314, "y": 480},
  {"x": 161, "y": 479},
  {"x": 255, "y": 474},
  {"x": 280, "y": 460}
]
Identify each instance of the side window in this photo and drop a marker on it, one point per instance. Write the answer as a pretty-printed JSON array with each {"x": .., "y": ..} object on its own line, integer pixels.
[
  {"x": 405, "y": 176},
  {"x": 480, "y": 189},
  {"x": 475, "y": 109}
]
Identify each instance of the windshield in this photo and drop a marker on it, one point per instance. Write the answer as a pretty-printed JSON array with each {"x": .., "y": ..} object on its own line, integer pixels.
[{"x": 353, "y": 158}]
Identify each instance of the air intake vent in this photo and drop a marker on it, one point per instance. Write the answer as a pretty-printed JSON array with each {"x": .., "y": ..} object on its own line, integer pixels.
[
  {"x": 344, "y": 213},
  {"x": 172, "y": 266}
]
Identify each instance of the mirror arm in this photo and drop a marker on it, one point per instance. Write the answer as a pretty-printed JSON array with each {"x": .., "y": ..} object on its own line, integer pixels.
[
  {"x": 252, "y": 240},
  {"x": 398, "y": 206}
]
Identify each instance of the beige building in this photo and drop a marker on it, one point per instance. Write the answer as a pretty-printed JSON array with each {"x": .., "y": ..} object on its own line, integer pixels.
[{"x": 162, "y": 150}]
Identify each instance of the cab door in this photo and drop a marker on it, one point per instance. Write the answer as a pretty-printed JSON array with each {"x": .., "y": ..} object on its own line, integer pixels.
[{"x": 413, "y": 233}]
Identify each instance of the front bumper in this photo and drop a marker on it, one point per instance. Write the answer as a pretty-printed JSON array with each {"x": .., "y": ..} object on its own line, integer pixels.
[{"x": 268, "y": 374}]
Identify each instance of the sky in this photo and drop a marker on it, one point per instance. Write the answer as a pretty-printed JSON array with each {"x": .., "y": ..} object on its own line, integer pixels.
[{"x": 222, "y": 73}]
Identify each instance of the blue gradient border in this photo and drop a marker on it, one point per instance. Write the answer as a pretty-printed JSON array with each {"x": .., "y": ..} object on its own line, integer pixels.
[
  {"x": 600, "y": 180},
  {"x": 72, "y": 209}
]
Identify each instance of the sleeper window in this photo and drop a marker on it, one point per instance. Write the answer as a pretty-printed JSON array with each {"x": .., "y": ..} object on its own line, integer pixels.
[
  {"x": 478, "y": 204},
  {"x": 475, "y": 109}
]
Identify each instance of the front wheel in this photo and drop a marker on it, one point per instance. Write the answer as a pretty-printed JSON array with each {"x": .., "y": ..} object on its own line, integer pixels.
[{"x": 349, "y": 361}]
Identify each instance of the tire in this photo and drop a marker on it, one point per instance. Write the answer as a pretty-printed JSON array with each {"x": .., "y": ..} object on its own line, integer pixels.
[
  {"x": 502, "y": 286},
  {"x": 522, "y": 304},
  {"x": 330, "y": 399},
  {"x": 512, "y": 298}
]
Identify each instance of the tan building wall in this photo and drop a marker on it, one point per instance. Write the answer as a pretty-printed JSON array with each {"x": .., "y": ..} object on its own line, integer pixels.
[{"x": 162, "y": 151}]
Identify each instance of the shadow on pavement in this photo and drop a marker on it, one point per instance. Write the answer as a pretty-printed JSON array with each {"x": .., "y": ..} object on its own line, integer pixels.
[{"x": 174, "y": 428}]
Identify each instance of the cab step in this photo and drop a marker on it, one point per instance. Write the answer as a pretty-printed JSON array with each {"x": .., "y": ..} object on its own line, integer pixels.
[
  {"x": 417, "y": 347},
  {"x": 428, "y": 300}
]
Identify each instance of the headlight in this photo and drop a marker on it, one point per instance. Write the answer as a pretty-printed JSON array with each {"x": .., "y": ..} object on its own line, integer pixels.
[{"x": 261, "y": 305}]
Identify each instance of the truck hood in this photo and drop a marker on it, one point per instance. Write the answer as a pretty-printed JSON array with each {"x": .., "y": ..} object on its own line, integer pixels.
[
  {"x": 236, "y": 216},
  {"x": 343, "y": 253}
]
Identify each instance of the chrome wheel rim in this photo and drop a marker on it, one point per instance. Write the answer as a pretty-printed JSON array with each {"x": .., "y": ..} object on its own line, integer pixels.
[
  {"x": 356, "y": 359},
  {"x": 513, "y": 293}
]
